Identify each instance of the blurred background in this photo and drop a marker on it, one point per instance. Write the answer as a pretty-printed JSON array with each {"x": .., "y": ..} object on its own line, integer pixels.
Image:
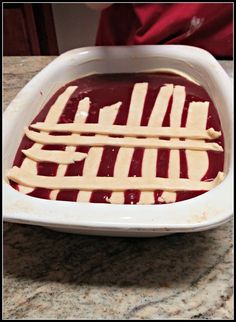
[{"x": 47, "y": 29}]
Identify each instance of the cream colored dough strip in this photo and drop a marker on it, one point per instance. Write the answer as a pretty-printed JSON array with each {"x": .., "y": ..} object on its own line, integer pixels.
[
  {"x": 150, "y": 156},
  {"x": 82, "y": 111},
  {"x": 177, "y": 107},
  {"x": 107, "y": 115},
  {"x": 80, "y": 117},
  {"x": 58, "y": 107},
  {"x": 130, "y": 131},
  {"x": 160, "y": 106},
  {"x": 110, "y": 183},
  {"x": 63, "y": 157},
  {"x": 90, "y": 170},
  {"x": 124, "y": 156},
  {"x": 121, "y": 170},
  {"x": 197, "y": 161},
  {"x": 52, "y": 117},
  {"x": 127, "y": 142},
  {"x": 179, "y": 96},
  {"x": 148, "y": 172},
  {"x": 136, "y": 104}
]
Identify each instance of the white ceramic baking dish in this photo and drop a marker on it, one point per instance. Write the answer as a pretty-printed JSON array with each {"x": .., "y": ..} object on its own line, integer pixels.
[{"x": 200, "y": 213}]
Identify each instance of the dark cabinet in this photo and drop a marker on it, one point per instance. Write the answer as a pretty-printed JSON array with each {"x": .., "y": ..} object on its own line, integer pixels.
[{"x": 28, "y": 29}]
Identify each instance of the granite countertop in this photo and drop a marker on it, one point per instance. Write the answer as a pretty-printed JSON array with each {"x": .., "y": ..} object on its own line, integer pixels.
[{"x": 53, "y": 275}]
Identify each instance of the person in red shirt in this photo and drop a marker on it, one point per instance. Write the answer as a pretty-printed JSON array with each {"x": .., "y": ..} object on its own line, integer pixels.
[{"x": 205, "y": 25}]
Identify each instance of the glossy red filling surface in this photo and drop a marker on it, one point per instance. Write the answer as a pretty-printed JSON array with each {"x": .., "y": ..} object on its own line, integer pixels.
[{"x": 104, "y": 90}]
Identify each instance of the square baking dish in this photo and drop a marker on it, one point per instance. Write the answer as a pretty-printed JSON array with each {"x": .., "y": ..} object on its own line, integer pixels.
[{"x": 200, "y": 213}]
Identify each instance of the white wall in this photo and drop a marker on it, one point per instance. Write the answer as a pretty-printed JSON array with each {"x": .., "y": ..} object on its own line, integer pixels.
[{"x": 76, "y": 25}]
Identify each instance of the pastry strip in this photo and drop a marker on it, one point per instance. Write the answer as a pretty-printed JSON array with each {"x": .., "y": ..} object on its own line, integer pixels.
[
  {"x": 124, "y": 156},
  {"x": 61, "y": 157},
  {"x": 179, "y": 95},
  {"x": 129, "y": 131},
  {"x": 23, "y": 177},
  {"x": 150, "y": 156},
  {"x": 161, "y": 105},
  {"x": 127, "y": 142},
  {"x": 148, "y": 172},
  {"x": 197, "y": 161}
]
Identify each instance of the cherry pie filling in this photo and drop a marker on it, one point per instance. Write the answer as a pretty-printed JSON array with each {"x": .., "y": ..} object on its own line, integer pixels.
[{"x": 144, "y": 138}]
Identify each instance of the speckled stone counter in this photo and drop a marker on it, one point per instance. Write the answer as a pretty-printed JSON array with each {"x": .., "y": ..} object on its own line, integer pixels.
[{"x": 52, "y": 275}]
